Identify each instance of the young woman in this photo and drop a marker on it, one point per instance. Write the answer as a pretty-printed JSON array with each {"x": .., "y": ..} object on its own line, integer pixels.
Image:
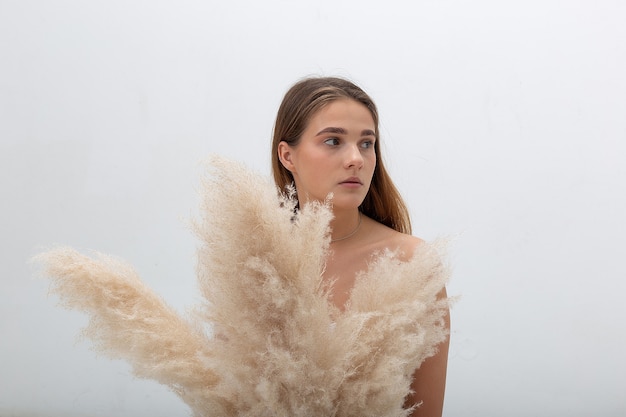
[
  {"x": 326, "y": 142},
  {"x": 303, "y": 324}
]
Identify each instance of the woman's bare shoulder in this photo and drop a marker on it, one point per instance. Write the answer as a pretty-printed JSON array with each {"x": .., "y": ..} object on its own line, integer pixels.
[
  {"x": 407, "y": 245},
  {"x": 387, "y": 238}
]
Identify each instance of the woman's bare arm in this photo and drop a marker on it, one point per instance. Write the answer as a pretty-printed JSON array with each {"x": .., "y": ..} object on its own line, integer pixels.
[{"x": 429, "y": 381}]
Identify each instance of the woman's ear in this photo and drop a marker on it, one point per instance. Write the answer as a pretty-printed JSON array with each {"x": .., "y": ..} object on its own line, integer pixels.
[{"x": 284, "y": 155}]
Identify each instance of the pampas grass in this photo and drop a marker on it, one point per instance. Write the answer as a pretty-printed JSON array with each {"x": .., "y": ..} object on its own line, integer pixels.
[{"x": 280, "y": 347}]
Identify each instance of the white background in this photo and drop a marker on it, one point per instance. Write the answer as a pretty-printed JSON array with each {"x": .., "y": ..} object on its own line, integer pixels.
[{"x": 503, "y": 122}]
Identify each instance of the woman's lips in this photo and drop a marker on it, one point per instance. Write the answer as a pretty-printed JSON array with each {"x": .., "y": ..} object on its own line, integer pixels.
[{"x": 351, "y": 182}]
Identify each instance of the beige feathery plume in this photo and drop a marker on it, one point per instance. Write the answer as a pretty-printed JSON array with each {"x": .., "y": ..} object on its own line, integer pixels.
[
  {"x": 280, "y": 348},
  {"x": 129, "y": 321}
]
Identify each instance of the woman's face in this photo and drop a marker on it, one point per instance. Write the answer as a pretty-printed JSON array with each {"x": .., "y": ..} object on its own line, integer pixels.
[{"x": 334, "y": 155}]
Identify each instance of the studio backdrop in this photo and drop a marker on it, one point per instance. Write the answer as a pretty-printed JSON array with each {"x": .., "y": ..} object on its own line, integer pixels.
[{"x": 502, "y": 122}]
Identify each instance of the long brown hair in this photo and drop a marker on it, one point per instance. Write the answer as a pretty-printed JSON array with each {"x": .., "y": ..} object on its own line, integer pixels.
[{"x": 383, "y": 202}]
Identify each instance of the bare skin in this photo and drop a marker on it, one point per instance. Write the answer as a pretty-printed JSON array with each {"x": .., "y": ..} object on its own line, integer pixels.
[
  {"x": 336, "y": 155},
  {"x": 350, "y": 256}
]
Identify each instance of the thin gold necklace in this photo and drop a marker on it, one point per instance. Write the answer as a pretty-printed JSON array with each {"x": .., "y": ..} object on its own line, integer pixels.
[{"x": 356, "y": 229}]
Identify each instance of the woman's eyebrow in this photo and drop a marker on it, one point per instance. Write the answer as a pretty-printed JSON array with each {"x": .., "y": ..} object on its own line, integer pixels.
[
  {"x": 336, "y": 130},
  {"x": 342, "y": 131}
]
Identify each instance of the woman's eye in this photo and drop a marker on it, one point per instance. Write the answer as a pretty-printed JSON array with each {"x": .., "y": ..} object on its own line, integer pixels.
[
  {"x": 332, "y": 141},
  {"x": 367, "y": 144}
]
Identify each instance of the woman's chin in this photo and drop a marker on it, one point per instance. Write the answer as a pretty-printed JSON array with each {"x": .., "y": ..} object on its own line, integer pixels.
[{"x": 346, "y": 204}]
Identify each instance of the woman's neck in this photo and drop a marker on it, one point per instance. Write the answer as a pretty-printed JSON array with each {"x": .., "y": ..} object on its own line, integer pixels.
[{"x": 345, "y": 224}]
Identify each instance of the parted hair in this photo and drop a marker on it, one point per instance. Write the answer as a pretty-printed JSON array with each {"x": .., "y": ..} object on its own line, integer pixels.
[{"x": 383, "y": 202}]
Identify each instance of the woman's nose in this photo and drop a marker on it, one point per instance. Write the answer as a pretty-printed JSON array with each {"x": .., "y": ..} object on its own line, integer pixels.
[{"x": 354, "y": 157}]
